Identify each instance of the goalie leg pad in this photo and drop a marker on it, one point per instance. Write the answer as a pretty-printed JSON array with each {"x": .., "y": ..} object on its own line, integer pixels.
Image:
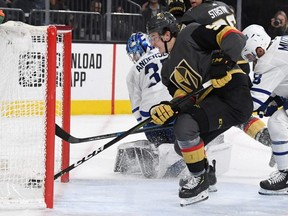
[
  {"x": 170, "y": 163},
  {"x": 138, "y": 157},
  {"x": 160, "y": 136}
]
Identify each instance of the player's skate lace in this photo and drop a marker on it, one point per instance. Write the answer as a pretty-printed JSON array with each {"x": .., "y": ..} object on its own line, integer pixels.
[
  {"x": 192, "y": 182},
  {"x": 195, "y": 190},
  {"x": 276, "y": 184},
  {"x": 276, "y": 177},
  {"x": 184, "y": 180},
  {"x": 212, "y": 180}
]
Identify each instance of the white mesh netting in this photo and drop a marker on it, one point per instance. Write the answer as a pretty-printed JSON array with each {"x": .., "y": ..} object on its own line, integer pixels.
[{"x": 23, "y": 76}]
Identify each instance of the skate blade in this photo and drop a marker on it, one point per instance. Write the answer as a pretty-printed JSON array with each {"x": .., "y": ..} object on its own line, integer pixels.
[
  {"x": 276, "y": 192},
  {"x": 200, "y": 197},
  {"x": 212, "y": 188}
]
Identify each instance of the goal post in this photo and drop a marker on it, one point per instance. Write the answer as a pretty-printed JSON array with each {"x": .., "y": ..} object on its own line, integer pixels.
[{"x": 35, "y": 82}]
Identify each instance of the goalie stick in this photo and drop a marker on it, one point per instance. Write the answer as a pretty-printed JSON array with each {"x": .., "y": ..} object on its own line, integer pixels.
[
  {"x": 126, "y": 133},
  {"x": 61, "y": 133}
]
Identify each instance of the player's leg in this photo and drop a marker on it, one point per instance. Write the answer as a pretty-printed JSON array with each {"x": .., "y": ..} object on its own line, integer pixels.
[
  {"x": 192, "y": 149},
  {"x": 257, "y": 130},
  {"x": 211, "y": 114},
  {"x": 211, "y": 140},
  {"x": 278, "y": 181}
]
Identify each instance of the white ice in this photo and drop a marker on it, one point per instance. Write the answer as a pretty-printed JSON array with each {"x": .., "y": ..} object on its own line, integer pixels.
[{"x": 95, "y": 190}]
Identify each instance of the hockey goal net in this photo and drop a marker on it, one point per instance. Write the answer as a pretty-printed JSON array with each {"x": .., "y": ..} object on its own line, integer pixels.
[{"x": 35, "y": 77}]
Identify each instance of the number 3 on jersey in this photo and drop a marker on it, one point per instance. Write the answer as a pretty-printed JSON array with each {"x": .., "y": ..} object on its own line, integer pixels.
[{"x": 151, "y": 70}]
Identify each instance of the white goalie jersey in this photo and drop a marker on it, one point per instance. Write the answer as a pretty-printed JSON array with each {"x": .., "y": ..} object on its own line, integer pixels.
[
  {"x": 271, "y": 73},
  {"x": 144, "y": 84}
]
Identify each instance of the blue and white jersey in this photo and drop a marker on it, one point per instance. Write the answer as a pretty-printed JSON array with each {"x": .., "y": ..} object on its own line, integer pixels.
[
  {"x": 271, "y": 73},
  {"x": 144, "y": 84}
]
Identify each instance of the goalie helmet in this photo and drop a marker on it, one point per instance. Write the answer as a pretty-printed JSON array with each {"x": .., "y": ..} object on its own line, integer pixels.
[
  {"x": 256, "y": 37},
  {"x": 163, "y": 22},
  {"x": 138, "y": 44}
]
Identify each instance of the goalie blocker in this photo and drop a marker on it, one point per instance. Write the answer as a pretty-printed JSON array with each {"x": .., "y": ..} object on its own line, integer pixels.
[{"x": 143, "y": 158}]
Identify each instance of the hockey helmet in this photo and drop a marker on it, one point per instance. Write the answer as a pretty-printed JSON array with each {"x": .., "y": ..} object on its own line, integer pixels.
[
  {"x": 163, "y": 22},
  {"x": 177, "y": 8},
  {"x": 256, "y": 36},
  {"x": 138, "y": 44}
]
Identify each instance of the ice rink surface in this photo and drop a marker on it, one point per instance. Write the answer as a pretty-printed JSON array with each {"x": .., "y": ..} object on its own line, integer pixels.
[{"x": 95, "y": 190}]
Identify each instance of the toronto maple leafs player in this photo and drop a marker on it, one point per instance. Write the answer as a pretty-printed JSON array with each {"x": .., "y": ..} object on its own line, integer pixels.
[
  {"x": 145, "y": 90},
  {"x": 144, "y": 82},
  {"x": 270, "y": 93}
]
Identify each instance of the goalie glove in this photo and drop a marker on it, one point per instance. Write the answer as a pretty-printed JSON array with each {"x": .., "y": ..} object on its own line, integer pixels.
[
  {"x": 162, "y": 113},
  {"x": 221, "y": 64},
  {"x": 270, "y": 106}
]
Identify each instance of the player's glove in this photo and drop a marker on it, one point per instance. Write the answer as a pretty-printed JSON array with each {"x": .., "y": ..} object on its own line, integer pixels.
[
  {"x": 162, "y": 113},
  {"x": 221, "y": 64},
  {"x": 270, "y": 106}
]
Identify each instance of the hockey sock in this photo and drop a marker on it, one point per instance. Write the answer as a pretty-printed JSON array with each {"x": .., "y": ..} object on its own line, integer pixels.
[{"x": 194, "y": 156}]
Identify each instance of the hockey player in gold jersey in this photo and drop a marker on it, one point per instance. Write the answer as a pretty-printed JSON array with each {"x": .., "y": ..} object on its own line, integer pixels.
[{"x": 197, "y": 54}]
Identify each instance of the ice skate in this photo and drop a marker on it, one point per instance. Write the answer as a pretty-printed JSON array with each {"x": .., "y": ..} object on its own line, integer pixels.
[
  {"x": 195, "y": 190},
  {"x": 211, "y": 174},
  {"x": 277, "y": 184}
]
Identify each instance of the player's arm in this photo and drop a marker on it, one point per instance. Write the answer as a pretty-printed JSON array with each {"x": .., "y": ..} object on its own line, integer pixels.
[
  {"x": 266, "y": 79},
  {"x": 226, "y": 38},
  {"x": 226, "y": 43},
  {"x": 134, "y": 94},
  {"x": 270, "y": 106}
]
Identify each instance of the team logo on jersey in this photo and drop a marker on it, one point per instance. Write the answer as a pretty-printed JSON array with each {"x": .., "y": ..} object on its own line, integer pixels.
[{"x": 185, "y": 78}]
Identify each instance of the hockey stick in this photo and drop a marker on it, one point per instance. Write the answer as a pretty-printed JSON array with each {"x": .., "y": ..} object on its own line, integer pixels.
[
  {"x": 72, "y": 140},
  {"x": 126, "y": 133}
]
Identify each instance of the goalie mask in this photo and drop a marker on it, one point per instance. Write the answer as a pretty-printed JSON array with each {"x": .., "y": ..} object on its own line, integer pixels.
[
  {"x": 255, "y": 37},
  {"x": 138, "y": 44}
]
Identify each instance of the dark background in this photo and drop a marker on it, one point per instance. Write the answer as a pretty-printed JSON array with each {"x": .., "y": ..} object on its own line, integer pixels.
[
  {"x": 259, "y": 12},
  {"x": 253, "y": 11}
]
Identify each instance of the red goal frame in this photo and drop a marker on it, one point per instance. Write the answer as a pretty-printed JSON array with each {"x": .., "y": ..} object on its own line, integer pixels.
[{"x": 52, "y": 33}]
